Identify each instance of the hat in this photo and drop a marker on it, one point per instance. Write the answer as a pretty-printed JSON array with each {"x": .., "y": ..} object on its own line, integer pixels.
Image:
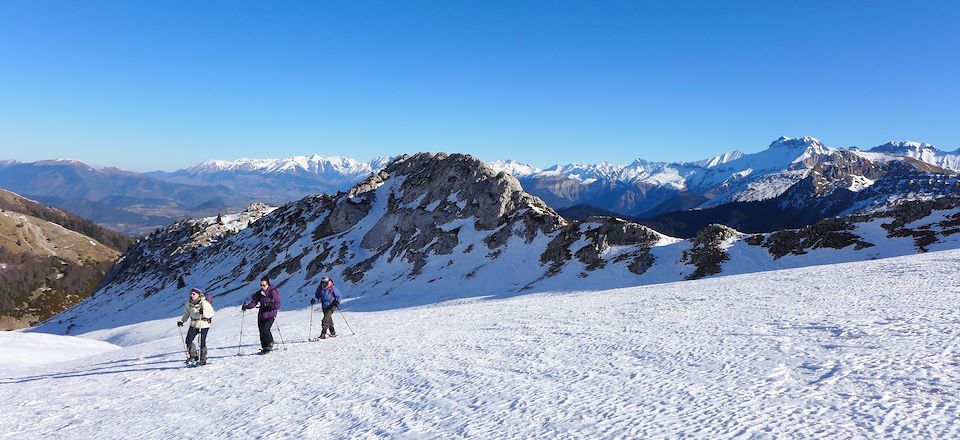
[{"x": 196, "y": 289}]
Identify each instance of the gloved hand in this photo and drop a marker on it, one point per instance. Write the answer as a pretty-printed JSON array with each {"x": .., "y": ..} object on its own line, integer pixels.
[
  {"x": 243, "y": 307},
  {"x": 179, "y": 323},
  {"x": 335, "y": 303},
  {"x": 313, "y": 301}
]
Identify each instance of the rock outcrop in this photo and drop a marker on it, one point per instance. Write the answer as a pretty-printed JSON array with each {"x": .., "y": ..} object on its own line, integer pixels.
[{"x": 707, "y": 252}]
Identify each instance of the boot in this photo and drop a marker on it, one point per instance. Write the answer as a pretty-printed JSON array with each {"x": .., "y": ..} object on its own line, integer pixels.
[
  {"x": 191, "y": 353},
  {"x": 203, "y": 356}
]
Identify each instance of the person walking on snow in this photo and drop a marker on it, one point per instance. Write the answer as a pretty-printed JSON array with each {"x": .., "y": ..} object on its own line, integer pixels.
[
  {"x": 200, "y": 313},
  {"x": 329, "y": 298},
  {"x": 269, "y": 299}
]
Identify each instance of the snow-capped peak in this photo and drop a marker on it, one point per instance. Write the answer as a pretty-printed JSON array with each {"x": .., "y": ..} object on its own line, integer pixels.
[
  {"x": 586, "y": 172},
  {"x": 806, "y": 143},
  {"x": 904, "y": 147},
  {"x": 718, "y": 160},
  {"x": 921, "y": 151},
  {"x": 314, "y": 164},
  {"x": 517, "y": 169}
]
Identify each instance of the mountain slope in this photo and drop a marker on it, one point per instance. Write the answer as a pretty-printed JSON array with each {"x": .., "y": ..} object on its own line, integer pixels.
[
  {"x": 922, "y": 152},
  {"x": 44, "y": 267},
  {"x": 840, "y": 351},
  {"x": 13, "y": 202},
  {"x": 435, "y": 227}
]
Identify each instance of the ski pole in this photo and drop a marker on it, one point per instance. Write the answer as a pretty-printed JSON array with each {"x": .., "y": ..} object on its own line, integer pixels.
[
  {"x": 345, "y": 320},
  {"x": 185, "y": 347},
  {"x": 310, "y": 332},
  {"x": 242, "y": 314},
  {"x": 280, "y": 332}
]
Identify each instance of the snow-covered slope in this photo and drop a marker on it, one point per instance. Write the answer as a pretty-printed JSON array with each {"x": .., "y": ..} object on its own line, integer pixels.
[
  {"x": 923, "y": 152},
  {"x": 23, "y": 351},
  {"x": 859, "y": 350},
  {"x": 434, "y": 227}
]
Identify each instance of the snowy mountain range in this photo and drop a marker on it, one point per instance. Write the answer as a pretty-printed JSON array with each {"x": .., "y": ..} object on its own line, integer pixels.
[
  {"x": 646, "y": 189},
  {"x": 278, "y": 181},
  {"x": 433, "y": 227}
]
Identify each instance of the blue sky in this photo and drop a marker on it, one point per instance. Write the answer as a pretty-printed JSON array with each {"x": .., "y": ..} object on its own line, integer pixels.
[{"x": 164, "y": 85}]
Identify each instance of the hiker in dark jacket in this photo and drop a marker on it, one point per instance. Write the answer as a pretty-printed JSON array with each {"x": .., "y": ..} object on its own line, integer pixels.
[
  {"x": 269, "y": 299},
  {"x": 329, "y": 298}
]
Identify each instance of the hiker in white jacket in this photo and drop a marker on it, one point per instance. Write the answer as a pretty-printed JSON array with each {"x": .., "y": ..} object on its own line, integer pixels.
[{"x": 200, "y": 313}]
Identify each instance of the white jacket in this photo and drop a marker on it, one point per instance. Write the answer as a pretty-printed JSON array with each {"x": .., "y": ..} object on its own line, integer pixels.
[{"x": 199, "y": 313}]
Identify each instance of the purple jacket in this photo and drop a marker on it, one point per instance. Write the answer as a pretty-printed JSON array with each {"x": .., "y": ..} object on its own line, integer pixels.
[{"x": 269, "y": 302}]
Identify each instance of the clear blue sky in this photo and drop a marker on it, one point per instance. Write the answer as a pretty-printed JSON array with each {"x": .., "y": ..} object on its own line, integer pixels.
[{"x": 165, "y": 84}]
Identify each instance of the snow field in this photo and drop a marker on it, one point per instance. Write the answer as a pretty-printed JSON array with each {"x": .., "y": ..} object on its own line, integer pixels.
[
  {"x": 855, "y": 350},
  {"x": 21, "y": 349}
]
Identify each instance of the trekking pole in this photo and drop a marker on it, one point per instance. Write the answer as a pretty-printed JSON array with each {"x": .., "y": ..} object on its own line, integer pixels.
[
  {"x": 345, "y": 320},
  {"x": 280, "y": 332},
  {"x": 185, "y": 347},
  {"x": 242, "y": 314},
  {"x": 310, "y": 332}
]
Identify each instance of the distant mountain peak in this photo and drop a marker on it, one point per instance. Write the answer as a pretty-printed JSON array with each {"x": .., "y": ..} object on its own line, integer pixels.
[
  {"x": 921, "y": 151},
  {"x": 805, "y": 142},
  {"x": 517, "y": 169},
  {"x": 313, "y": 164},
  {"x": 897, "y": 147},
  {"x": 718, "y": 160}
]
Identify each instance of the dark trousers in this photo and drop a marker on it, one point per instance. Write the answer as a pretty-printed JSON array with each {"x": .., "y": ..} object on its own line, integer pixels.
[
  {"x": 327, "y": 322},
  {"x": 192, "y": 349},
  {"x": 266, "y": 338}
]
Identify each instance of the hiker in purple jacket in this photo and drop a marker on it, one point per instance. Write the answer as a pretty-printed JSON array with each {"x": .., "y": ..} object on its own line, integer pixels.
[{"x": 269, "y": 299}]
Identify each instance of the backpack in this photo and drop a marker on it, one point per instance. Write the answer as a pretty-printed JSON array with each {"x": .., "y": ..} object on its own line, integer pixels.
[
  {"x": 209, "y": 300},
  {"x": 336, "y": 300}
]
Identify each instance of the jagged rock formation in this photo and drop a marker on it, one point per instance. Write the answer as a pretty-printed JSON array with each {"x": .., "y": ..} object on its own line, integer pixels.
[
  {"x": 707, "y": 252},
  {"x": 591, "y": 241},
  {"x": 830, "y": 233}
]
